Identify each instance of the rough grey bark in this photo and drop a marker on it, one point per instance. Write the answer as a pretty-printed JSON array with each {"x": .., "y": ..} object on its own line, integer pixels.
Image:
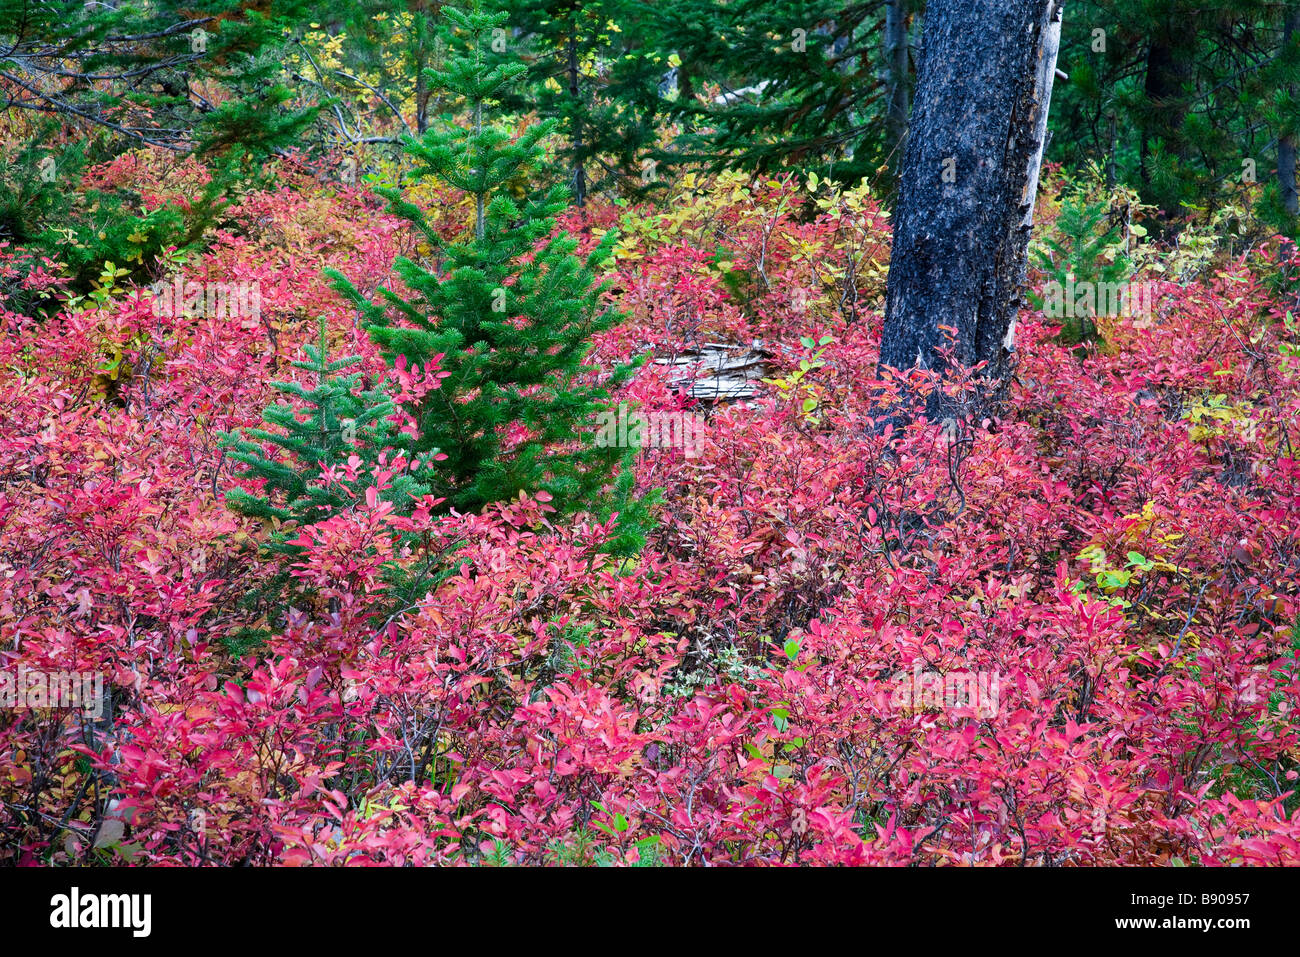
[
  {"x": 969, "y": 178},
  {"x": 1286, "y": 143}
]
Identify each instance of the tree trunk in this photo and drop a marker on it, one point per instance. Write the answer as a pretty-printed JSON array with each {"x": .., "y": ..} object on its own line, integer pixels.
[
  {"x": 1286, "y": 174},
  {"x": 575, "y": 91},
  {"x": 969, "y": 179},
  {"x": 421, "y": 93},
  {"x": 1286, "y": 143},
  {"x": 1112, "y": 154},
  {"x": 895, "y": 57},
  {"x": 1171, "y": 56},
  {"x": 426, "y": 15}
]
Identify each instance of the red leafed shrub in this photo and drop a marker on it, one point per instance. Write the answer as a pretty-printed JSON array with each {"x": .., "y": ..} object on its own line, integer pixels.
[{"x": 1066, "y": 636}]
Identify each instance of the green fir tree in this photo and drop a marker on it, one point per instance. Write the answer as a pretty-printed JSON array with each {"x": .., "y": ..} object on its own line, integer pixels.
[
  {"x": 312, "y": 436},
  {"x": 589, "y": 68},
  {"x": 510, "y": 311},
  {"x": 1084, "y": 245}
]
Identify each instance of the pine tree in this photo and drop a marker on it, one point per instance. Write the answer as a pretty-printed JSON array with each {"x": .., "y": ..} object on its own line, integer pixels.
[
  {"x": 1082, "y": 247},
  {"x": 312, "y": 434},
  {"x": 800, "y": 79},
  {"x": 1191, "y": 102},
  {"x": 99, "y": 78},
  {"x": 509, "y": 311},
  {"x": 146, "y": 73},
  {"x": 589, "y": 69},
  {"x": 341, "y": 421}
]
